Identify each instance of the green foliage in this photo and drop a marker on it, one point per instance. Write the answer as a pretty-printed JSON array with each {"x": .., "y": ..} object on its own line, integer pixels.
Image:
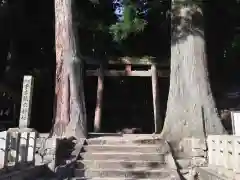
[
  {"x": 94, "y": 16},
  {"x": 232, "y": 50},
  {"x": 236, "y": 43},
  {"x": 132, "y": 22},
  {"x": 122, "y": 30}
]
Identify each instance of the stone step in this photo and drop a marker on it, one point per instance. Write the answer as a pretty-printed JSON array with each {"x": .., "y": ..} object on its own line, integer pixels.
[
  {"x": 130, "y": 173},
  {"x": 104, "y": 178},
  {"x": 123, "y": 156},
  {"x": 139, "y": 148},
  {"x": 126, "y": 139},
  {"x": 95, "y": 135},
  {"x": 118, "y": 164},
  {"x": 124, "y": 148}
]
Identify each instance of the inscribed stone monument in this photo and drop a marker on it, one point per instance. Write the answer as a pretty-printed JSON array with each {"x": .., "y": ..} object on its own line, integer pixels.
[{"x": 27, "y": 91}]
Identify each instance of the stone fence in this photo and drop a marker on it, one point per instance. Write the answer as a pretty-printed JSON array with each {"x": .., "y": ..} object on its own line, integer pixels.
[
  {"x": 17, "y": 148},
  {"x": 224, "y": 151}
]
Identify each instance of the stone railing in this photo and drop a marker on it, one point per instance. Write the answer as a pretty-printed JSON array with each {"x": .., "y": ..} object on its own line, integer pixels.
[
  {"x": 17, "y": 148},
  {"x": 223, "y": 158},
  {"x": 224, "y": 151}
]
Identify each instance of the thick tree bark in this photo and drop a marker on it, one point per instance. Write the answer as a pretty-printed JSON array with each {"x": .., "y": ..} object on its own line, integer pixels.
[
  {"x": 70, "y": 116},
  {"x": 191, "y": 108}
]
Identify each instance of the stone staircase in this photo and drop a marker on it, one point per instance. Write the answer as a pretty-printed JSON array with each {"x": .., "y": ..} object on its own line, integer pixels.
[
  {"x": 122, "y": 157},
  {"x": 125, "y": 157}
]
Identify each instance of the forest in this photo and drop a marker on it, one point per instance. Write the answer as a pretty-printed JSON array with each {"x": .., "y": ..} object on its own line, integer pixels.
[{"x": 110, "y": 29}]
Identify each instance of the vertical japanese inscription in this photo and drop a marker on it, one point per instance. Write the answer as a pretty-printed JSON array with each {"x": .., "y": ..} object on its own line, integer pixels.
[{"x": 27, "y": 91}]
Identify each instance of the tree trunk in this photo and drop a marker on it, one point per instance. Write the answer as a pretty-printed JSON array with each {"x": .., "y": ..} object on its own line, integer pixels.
[
  {"x": 191, "y": 108},
  {"x": 70, "y": 115}
]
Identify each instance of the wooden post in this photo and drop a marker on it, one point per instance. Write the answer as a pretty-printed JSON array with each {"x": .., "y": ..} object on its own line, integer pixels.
[
  {"x": 98, "y": 110},
  {"x": 26, "y": 103},
  {"x": 156, "y": 100}
]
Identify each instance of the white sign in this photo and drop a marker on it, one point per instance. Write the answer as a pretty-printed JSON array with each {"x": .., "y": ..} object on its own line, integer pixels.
[
  {"x": 27, "y": 91},
  {"x": 235, "y": 116}
]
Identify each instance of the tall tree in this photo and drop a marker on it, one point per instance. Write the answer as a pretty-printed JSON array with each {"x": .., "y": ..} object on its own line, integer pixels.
[
  {"x": 70, "y": 116},
  {"x": 191, "y": 108}
]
